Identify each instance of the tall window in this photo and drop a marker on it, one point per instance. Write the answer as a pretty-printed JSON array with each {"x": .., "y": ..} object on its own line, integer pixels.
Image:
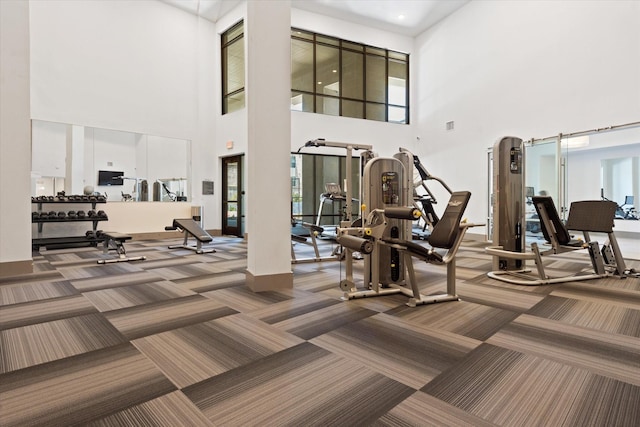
[
  {"x": 233, "y": 68},
  {"x": 342, "y": 78}
]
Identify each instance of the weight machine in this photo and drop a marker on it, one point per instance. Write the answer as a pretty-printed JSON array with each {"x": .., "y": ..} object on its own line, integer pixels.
[
  {"x": 386, "y": 227},
  {"x": 510, "y": 256}
]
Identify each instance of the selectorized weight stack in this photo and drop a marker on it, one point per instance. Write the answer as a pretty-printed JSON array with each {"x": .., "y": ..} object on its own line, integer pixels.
[
  {"x": 508, "y": 203},
  {"x": 384, "y": 187}
]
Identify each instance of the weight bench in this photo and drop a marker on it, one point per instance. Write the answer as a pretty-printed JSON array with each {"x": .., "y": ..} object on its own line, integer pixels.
[
  {"x": 585, "y": 216},
  {"x": 191, "y": 228},
  {"x": 115, "y": 241}
]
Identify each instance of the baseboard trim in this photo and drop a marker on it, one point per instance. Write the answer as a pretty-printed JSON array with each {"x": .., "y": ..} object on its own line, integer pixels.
[
  {"x": 16, "y": 268},
  {"x": 269, "y": 282}
]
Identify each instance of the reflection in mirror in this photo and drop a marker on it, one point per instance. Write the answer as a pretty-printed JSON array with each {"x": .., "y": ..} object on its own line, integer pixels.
[
  {"x": 621, "y": 179},
  {"x": 122, "y": 165}
]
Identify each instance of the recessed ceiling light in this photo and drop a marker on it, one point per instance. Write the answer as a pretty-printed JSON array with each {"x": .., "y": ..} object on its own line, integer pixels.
[
  {"x": 334, "y": 71},
  {"x": 400, "y": 17},
  {"x": 319, "y": 83}
]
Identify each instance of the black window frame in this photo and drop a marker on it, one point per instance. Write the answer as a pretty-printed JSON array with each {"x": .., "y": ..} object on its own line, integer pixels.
[
  {"x": 224, "y": 45},
  {"x": 317, "y": 39}
]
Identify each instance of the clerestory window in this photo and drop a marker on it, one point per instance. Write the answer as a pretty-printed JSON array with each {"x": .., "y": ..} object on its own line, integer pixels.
[{"x": 343, "y": 78}]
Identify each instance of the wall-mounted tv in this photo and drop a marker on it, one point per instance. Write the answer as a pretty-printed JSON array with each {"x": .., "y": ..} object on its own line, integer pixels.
[{"x": 110, "y": 177}]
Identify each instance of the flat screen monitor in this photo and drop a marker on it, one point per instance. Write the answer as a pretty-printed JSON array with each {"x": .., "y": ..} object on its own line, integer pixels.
[
  {"x": 110, "y": 177},
  {"x": 628, "y": 200}
]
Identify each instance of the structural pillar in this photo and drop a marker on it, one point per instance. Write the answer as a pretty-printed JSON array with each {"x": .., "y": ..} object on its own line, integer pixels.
[{"x": 268, "y": 189}]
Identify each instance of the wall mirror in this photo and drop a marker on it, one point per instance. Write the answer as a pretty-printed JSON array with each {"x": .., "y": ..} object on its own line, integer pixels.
[{"x": 123, "y": 166}]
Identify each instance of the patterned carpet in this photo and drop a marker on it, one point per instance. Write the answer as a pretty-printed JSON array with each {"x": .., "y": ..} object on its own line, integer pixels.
[{"x": 179, "y": 340}]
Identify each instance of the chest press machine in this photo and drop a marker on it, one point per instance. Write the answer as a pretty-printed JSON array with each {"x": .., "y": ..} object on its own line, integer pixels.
[{"x": 384, "y": 242}]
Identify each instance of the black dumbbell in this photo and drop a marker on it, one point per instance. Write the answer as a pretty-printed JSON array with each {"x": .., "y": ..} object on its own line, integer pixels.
[
  {"x": 91, "y": 213},
  {"x": 71, "y": 214},
  {"x": 81, "y": 214},
  {"x": 62, "y": 215},
  {"x": 35, "y": 214},
  {"x": 102, "y": 214}
]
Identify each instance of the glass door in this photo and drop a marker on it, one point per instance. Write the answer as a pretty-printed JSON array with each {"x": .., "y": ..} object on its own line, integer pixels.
[
  {"x": 232, "y": 194},
  {"x": 542, "y": 178}
]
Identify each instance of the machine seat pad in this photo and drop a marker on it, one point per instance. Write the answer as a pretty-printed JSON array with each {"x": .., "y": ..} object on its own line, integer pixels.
[
  {"x": 419, "y": 251},
  {"x": 119, "y": 237},
  {"x": 546, "y": 203},
  {"x": 446, "y": 230},
  {"x": 592, "y": 215}
]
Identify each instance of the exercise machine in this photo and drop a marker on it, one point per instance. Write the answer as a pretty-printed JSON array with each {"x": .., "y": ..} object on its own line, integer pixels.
[
  {"x": 383, "y": 237},
  {"x": 509, "y": 253},
  {"x": 349, "y": 147},
  {"x": 313, "y": 232},
  {"x": 115, "y": 241},
  {"x": 191, "y": 228},
  {"x": 423, "y": 199}
]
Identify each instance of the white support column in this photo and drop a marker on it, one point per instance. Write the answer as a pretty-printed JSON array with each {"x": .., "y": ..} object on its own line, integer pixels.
[
  {"x": 268, "y": 195},
  {"x": 74, "y": 182},
  {"x": 15, "y": 139}
]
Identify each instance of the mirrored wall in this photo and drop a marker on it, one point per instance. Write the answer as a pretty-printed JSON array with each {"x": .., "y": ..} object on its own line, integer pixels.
[
  {"x": 595, "y": 165},
  {"x": 123, "y": 166}
]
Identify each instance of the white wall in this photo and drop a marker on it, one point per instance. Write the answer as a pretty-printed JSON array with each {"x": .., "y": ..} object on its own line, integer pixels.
[
  {"x": 139, "y": 66},
  {"x": 125, "y": 65},
  {"x": 525, "y": 68}
]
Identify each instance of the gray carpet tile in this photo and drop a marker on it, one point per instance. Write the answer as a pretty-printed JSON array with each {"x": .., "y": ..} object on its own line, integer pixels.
[
  {"x": 603, "y": 353},
  {"x": 194, "y": 353},
  {"x": 29, "y": 292},
  {"x": 29, "y": 313},
  {"x": 139, "y": 321},
  {"x": 169, "y": 410},
  {"x": 464, "y": 318},
  {"x": 114, "y": 280},
  {"x": 81, "y": 388},
  {"x": 210, "y": 282},
  {"x": 130, "y": 296},
  {"x": 595, "y": 313},
  {"x": 310, "y": 317},
  {"x": 44, "y": 342},
  {"x": 507, "y": 387},
  {"x": 179, "y": 339},
  {"x": 421, "y": 409},
  {"x": 303, "y": 385},
  {"x": 403, "y": 351}
]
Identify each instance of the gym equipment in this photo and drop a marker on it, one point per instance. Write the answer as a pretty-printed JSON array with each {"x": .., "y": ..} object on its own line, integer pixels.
[
  {"x": 367, "y": 154},
  {"x": 382, "y": 239},
  {"x": 314, "y": 231},
  {"x": 508, "y": 201},
  {"x": 115, "y": 241},
  {"x": 585, "y": 216},
  {"x": 425, "y": 201},
  {"x": 509, "y": 255},
  {"x": 333, "y": 193},
  {"x": 191, "y": 228}
]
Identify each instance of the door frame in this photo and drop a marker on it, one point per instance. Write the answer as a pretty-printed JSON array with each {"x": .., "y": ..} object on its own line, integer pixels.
[{"x": 238, "y": 228}]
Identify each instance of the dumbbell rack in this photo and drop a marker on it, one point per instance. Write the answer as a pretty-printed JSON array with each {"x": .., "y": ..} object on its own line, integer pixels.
[{"x": 89, "y": 239}]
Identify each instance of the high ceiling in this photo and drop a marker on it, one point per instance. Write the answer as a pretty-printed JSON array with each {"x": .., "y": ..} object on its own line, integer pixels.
[{"x": 407, "y": 17}]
